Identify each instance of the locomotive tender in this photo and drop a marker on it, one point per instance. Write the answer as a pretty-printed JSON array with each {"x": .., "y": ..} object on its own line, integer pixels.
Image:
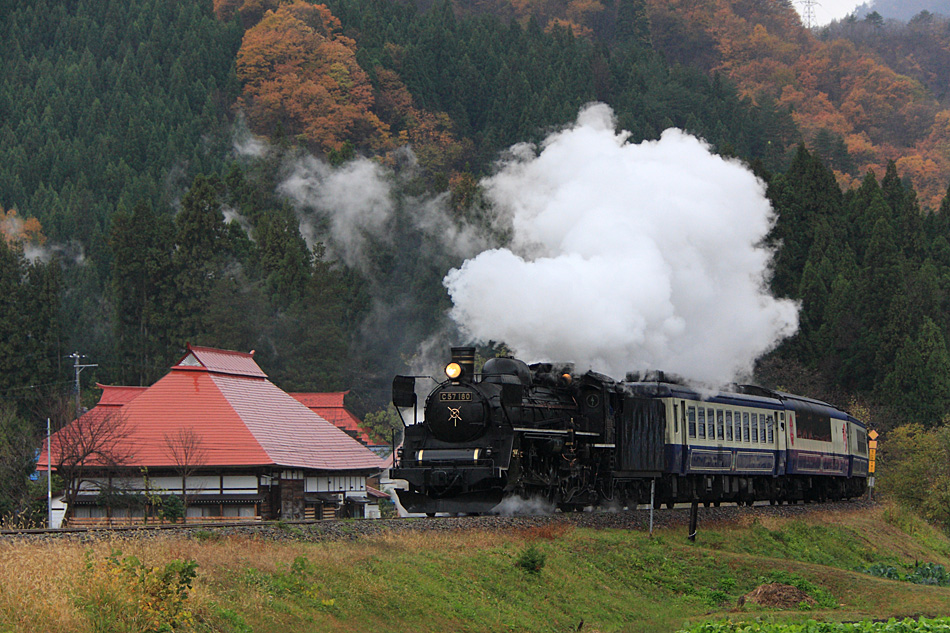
[{"x": 581, "y": 440}]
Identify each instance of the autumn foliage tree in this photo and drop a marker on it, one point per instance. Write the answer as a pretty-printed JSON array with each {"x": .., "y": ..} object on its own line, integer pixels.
[
  {"x": 852, "y": 106},
  {"x": 300, "y": 76},
  {"x": 17, "y": 230}
]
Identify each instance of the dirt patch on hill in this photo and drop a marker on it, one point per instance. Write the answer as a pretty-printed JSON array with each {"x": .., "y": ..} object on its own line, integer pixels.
[{"x": 777, "y": 596}]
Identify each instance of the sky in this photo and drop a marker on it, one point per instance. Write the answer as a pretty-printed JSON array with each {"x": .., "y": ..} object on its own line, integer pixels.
[{"x": 828, "y": 10}]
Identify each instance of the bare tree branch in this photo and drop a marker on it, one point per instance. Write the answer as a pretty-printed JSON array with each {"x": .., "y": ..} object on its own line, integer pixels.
[
  {"x": 96, "y": 443},
  {"x": 187, "y": 451}
]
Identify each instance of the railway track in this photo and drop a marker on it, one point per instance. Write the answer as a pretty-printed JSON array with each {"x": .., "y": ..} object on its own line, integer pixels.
[{"x": 349, "y": 529}]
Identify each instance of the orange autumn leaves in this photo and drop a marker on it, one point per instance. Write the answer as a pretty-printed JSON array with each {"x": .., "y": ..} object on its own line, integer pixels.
[
  {"x": 300, "y": 74},
  {"x": 301, "y": 77},
  {"x": 831, "y": 86},
  {"x": 17, "y": 231}
]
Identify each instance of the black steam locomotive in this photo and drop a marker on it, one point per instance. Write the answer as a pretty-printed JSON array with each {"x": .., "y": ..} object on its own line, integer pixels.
[{"x": 582, "y": 440}]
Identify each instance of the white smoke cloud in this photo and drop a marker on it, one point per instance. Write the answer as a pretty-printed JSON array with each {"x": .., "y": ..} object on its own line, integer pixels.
[
  {"x": 355, "y": 200},
  {"x": 245, "y": 143},
  {"x": 626, "y": 257},
  {"x": 519, "y": 506},
  {"x": 43, "y": 253},
  {"x": 344, "y": 206},
  {"x": 233, "y": 215}
]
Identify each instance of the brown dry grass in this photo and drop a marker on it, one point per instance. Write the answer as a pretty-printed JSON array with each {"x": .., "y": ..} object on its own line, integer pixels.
[
  {"x": 548, "y": 532},
  {"x": 776, "y": 595},
  {"x": 30, "y": 571},
  {"x": 41, "y": 581},
  {"x": 53, "y": 569}
]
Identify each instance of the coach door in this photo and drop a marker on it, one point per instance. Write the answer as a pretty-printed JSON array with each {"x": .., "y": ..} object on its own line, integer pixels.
[
  {"x": 679, "y": 459},
  {"x": 786, "y": 423},
  {"x": 642, "y": 436}
]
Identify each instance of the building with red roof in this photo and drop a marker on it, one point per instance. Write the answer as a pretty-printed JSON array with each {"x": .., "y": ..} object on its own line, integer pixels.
[
  {"x": 254, "y": 450},
  {"x": 329, "y": 406}
]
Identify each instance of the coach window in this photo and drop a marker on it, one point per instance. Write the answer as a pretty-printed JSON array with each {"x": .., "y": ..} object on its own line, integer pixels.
[
  {"x": 862, "y": 442},
  {"x": 755, "y": 428},
  {"x": 762, "y": 428},
  {"x": 692, "y": 422},
  {"x": 728, "y": 426},
  {"x": 720, "y": 433},
  {"x": 745, "y": 426},
  {"x": 702, "y": 423},
  {"x": 738, "y": 426},
  {"x": 770, "y": 426}
]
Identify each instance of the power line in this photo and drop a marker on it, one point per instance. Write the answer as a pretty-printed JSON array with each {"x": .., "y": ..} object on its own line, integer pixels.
[{"x": 48, "y": 384}]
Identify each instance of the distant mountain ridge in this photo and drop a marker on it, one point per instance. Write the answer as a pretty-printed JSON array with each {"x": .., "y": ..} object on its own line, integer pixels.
[{"x": 903, "y": 10}]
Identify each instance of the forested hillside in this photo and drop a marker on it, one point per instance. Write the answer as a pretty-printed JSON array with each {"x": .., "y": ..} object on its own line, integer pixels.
[
  {"x": 853, "y": 105},
  {"x": 297, "y": 178},
  {"x": 903, "y": 10}
]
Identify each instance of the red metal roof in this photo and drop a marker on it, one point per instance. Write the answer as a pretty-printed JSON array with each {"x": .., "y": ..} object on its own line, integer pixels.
[
  {"x": 115, "y": 396},
  {"x": 322, "y": 400},
  {"x": 330, "y": 407},
  {"x": 221, "y": 361},
  {"x": 238, "y": 417}
]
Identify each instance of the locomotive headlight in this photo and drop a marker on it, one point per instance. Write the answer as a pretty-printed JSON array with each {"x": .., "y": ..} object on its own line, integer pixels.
[{"x": 453, "y": 370}]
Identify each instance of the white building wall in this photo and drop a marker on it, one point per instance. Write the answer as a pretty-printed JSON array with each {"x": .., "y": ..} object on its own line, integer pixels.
[{"x": 335, "y": 483}]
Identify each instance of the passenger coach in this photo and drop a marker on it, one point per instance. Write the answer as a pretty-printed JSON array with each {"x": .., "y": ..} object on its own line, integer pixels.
[{"x": 757, "y": 444}]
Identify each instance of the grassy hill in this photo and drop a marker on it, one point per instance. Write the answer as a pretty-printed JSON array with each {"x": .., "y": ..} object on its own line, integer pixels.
[{"x": 551, "y": 578}]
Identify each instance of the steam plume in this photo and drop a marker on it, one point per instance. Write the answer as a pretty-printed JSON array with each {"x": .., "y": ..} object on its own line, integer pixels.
[
  {"x": 355, "y": 199},
  {"x": 626, "y": 257}
]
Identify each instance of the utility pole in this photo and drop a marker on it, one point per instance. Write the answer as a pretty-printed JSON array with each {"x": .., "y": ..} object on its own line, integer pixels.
[
  {"x": 76, "y": 356},
  {"x": 808, "y": 12},
  {"x": 49, "y": 477}
]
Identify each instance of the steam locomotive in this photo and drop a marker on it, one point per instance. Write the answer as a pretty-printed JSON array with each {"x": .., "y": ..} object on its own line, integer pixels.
[{"x": 542, "y": 431}]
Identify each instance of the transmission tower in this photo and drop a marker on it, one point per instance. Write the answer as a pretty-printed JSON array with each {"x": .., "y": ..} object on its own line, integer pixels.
[{"x": 808, "y": 11}]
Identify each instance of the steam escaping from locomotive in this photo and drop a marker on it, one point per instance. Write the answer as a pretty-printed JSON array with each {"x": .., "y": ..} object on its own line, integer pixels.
[{"x": 626, "y": 257}]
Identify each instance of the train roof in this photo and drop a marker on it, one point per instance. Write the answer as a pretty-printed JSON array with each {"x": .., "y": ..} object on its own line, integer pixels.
[{"x": 744, "y": 395}]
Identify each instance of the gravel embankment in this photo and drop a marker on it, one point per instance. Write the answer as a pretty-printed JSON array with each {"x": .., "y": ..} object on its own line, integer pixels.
[{"x": 354, "y": 529}]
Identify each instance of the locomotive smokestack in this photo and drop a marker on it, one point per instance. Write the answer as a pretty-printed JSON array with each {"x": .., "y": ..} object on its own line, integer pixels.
[{"x": 465, "y": 357}]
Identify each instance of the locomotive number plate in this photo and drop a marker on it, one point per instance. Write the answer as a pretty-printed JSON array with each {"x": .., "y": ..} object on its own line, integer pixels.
[{"x": 455, "y": 396}]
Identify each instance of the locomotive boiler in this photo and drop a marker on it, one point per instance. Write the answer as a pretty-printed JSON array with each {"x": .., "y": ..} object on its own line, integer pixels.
[{"x": 576, "y": 440}]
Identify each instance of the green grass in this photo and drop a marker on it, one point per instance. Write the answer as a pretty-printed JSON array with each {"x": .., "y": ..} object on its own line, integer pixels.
[{"x": 543, "y": 579}]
